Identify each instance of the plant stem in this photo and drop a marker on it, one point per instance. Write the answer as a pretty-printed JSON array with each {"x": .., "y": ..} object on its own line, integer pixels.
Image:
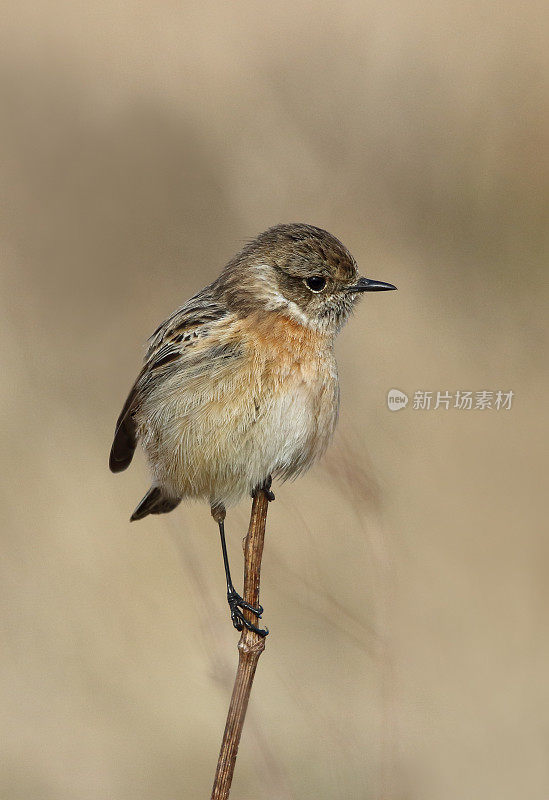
[{"x": 250, "y": 647}]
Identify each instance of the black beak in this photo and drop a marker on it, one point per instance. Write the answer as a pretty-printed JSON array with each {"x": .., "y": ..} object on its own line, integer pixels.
[{"x": 368, "y": 285}]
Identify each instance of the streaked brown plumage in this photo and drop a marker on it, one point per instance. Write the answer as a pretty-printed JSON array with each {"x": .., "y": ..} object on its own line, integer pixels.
[
  {"x": 248, "y": 358},
  {"x": 240, "y": 383}
]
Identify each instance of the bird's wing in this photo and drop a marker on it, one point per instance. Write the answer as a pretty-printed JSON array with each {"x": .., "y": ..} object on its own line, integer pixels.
[
  {"x": 198, "y": 312},
  {"x": 170, "y": 345}
]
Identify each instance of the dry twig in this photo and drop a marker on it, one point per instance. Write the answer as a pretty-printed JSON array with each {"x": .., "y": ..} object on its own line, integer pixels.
[{"x": 250, "y": 647}]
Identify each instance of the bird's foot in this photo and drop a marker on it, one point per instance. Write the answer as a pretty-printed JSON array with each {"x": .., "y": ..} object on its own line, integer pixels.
[
  {"x": 237, "y": 604},
  {"x": 265, "y": 487}
]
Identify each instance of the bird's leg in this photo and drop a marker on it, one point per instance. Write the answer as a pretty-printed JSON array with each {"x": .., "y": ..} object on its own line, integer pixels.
[{"x": 236, "y": 602}]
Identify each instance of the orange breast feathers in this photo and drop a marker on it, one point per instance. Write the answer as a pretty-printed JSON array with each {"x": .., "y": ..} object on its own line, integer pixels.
[{"x": 285, "y": 348}]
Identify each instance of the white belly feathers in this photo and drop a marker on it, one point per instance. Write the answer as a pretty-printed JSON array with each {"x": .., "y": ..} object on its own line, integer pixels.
[{"x": 219, "y": 442}]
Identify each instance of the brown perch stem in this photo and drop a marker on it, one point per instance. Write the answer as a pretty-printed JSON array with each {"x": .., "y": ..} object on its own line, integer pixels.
[{"x": 250, "y": 647}]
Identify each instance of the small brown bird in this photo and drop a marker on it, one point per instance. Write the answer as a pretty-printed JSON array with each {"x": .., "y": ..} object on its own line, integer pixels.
[{"x": 240, "y": 384}]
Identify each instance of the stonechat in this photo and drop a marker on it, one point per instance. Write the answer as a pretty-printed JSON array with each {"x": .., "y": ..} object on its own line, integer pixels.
[{"x": 240, "y": 384}]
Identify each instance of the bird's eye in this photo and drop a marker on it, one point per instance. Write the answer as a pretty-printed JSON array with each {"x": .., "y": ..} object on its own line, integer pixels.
[{"x": 316, "y": 283}]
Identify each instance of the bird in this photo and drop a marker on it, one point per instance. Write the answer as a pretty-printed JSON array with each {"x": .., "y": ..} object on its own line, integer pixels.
[{"x": 239, "y": 386}]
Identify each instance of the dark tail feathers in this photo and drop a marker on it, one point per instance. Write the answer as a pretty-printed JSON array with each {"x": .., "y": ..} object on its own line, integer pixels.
[
  {"x": 124, "y": 443},
  {"x": 154, "y": 502}
]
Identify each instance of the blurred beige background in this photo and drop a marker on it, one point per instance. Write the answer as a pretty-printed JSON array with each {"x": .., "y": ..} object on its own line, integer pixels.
[{"x": 405, "y": 578}]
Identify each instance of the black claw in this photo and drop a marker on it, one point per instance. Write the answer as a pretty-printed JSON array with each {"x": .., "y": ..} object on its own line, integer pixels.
[
  {"x": 266, "y": 487},
  {"x": 240, "y": 621},
  {"x": 257, "y": 611},
  {"x": 236, "y": 603}
]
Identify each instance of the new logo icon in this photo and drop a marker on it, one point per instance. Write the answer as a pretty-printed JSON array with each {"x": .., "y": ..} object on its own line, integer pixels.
[{"x": 396, "y": 400}]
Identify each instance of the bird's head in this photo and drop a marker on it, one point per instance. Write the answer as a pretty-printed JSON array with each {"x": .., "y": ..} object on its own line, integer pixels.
[{"x": 297, "y": 270}]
